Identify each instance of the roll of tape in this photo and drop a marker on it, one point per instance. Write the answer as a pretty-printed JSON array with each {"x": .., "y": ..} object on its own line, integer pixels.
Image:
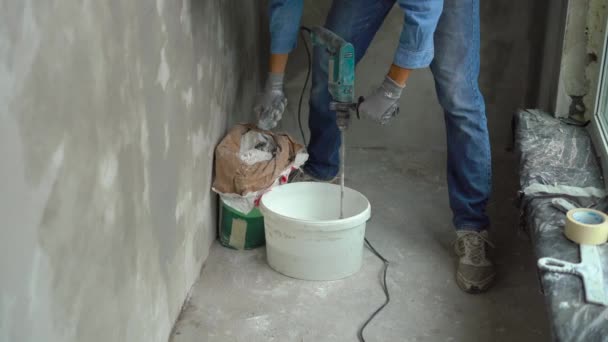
[{"x": 586, "y": 226}]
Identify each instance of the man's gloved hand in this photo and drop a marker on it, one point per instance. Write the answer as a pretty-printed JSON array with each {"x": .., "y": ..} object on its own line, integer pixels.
[
  {"x": 272, "y": 103},
  {"x": 383, "y": 104}
]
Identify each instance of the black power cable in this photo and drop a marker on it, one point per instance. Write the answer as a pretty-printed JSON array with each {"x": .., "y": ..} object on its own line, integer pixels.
[
  {"x": 384, "y": 288},
  {"x": 367, "y": 243},
  {"x": 302, "y": 30}
]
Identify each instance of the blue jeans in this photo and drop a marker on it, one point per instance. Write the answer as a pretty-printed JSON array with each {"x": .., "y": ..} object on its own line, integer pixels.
[
  {"x": 415, "y": 49},
  {"x": 455, "y": 68}
]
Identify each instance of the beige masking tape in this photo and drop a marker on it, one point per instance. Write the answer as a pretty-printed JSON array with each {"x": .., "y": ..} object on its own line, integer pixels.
[
  {"x": 586, "y": 226},
  {"x": 238, "y": 234}
]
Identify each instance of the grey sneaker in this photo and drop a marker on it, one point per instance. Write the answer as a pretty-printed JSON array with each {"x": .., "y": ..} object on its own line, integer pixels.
[
  {"x": 300, "y": 176},
  {"x": 475, "y": 272}
]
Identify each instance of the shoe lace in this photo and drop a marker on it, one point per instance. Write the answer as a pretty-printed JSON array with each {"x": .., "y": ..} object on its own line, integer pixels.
[{"x": 473, "y": 244}]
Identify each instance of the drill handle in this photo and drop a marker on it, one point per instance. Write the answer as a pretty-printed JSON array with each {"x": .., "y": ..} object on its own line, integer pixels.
[{"x": 323, "y": 37}]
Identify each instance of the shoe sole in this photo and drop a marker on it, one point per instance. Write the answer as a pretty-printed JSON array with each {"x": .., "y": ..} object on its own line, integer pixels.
[{"x": 477, "y": 287}]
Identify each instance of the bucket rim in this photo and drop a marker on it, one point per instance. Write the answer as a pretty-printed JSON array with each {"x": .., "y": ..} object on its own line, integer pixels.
[{"x": 337, "y": 224}]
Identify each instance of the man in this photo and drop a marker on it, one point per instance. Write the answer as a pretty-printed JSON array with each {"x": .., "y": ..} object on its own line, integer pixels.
[{"x": 446, "y": 39}]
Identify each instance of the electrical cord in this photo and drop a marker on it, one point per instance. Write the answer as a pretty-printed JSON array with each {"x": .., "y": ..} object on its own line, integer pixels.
[
  {"x": 574, "y": 122},
  {"x": 308, "y": 55},
  {"x": 367, "y": 243},
  {"x": 384, "y": 288}
]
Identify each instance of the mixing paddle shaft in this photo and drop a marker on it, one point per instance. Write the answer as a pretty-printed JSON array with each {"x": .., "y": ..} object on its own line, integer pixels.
[
  {"x": 342, "y": 154},
  {"x": 342, "y": 120}
]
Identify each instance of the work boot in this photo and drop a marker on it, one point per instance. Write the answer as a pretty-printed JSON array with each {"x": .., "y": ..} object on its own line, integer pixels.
[
  {"x": 475, "y": 272},
  {"x": 300, "y": 175}
]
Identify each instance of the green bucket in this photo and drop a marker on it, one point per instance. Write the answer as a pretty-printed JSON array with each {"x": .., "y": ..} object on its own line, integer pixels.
[{"x": 240, "y": 231}]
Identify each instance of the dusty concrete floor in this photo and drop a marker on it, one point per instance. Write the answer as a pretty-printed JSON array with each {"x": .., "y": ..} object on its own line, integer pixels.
[
  {"x": 401, "y": 169},
  {"x": 239, "y": 298}
]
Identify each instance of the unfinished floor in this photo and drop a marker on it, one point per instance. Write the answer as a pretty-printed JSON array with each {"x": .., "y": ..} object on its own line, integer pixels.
[
  {"x": 239, "y": 298},
  {"x": 401, "y": 169}
]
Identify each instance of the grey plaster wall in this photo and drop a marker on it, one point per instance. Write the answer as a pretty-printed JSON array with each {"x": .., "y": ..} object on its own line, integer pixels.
[
  {"x": 109, "y": 113},
  {"x": 583, "y": 47},
  {"x": 555, "y": 22}
]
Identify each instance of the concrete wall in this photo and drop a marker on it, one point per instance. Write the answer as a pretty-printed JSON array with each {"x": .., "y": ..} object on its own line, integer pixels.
[
  {"x": 109, "y": 113},
  {"x": 582, "y": 52},
  {"x": 555, "y": 17}
]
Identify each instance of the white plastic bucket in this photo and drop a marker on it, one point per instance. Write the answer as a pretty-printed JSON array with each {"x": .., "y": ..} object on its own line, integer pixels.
[{"x": 305, "y": 237}]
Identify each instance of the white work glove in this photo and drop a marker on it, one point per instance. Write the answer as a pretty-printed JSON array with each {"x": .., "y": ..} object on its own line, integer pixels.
[
  {"x": 383, "y": 104},
  {"x": 271, "y": 104}
]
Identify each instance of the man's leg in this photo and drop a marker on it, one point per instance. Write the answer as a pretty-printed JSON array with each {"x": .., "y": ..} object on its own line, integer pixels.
[
  {"x": 356, "y": 21},
  {"x": 456, "y": 71}
]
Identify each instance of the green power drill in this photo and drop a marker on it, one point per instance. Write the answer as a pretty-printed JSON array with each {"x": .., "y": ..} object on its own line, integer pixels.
[
  {"x": 341, "y": 73},
  {"x": 341, "y": 84}
]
